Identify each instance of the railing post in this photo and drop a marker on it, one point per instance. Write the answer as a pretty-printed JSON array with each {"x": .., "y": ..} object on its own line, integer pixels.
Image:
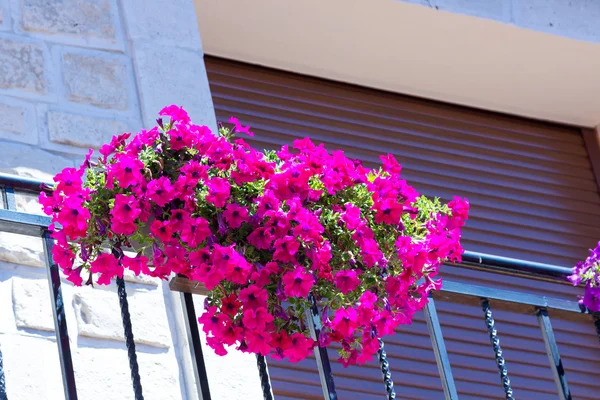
[
  {"x": 439, "y": 349},
  {"x": 491, "y": 327},
  {"x": 130, "y": 343},
  {"x": 313, "y": 320},
  {"x": 60, "y": 320},
  {"x": 385, "y": 372},
  {"x": 553, "y": 355},
  {"x": 193, "y": 334}
]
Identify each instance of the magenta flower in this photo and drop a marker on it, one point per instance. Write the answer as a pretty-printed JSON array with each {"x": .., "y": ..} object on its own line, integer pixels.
[
  {"x": 388, "y": 211},
  {"x": 351, "y": 216},
  {"x": 176, "y": 114},
  {"x": 230, "y": 305},
  {"x": 286, "y": 249},
  {"x": 126, "y": 209},
  {"x": 108, "y": 267},
  {"x": 297, "y": 283},
  {"x": 160, "y": 191},
  {"x": 345, "y": 321},
  {"x": 253, "y": 297},
  {"x": 74, "y": 218},
  {"x": 258, "y": 342},
  {"x": 195, "y": 231},
  {"x": 69, "y": 181},
  {"x": 256, "y": 318},
  {"x": 390, "y": 164},
  {"x": 218, "y": 192},
  {"x": 127, "y": 171},
  {"x": 261, "y": 238},
  {"x": 138, "y": 265},
  {"x": 346, "y": 280},
  {"x": 299, "y": 348},
  {"x": 161, "y": 230},
  {"x": 235, "y": 215},
  {"x": 239, "y": 128}
]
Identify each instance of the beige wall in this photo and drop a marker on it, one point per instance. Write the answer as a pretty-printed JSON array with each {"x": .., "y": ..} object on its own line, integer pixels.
[{"x": 416, "y": 50}]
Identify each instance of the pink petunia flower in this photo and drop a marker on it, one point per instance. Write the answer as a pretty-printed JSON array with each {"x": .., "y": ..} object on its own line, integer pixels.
[
  {"x": 138, "y": 265},
  {"x": 253, "y": 297},
  {"x": 218, "y": 192},
  {"x": 160, "y": 191},
  {"x": 127, "y": 171},
  {"x": 286, "y": 249},
  {"x": 299, "y": 348},
  {"x": 235, "y": 215},
  {"x": 256, "y": 318},
  {"x": 297, "y": 283},
  {"x": 195, "y": 231},
  {"x": 107, "y": 266},
  {"x": 346, "y": 280},
  {"x": 345, "y": 321},
  {"x": 162, "y": 230}
]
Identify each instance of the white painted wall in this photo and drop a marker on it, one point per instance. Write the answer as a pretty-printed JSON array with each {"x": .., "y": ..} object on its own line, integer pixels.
[{"x": 72, "y": 74}]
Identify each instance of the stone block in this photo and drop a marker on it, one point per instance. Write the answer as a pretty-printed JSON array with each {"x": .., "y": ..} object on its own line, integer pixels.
[
  {"x": 99, "y": 315},
  {"x": 31, "y": 304},
  {"x": 32, "y": 368},
  {"x": 17, "y": 121},
  {"x": 12, "y": 119},
  {"x": 97, "y": 80},
  {"x": 80, "y": 131},
  {"x": 574, "y": 19},
  {"x": 159, "y": 85},
  {"x": 220, "y": 369},
  {"x": 171, "y": 23},
  {"x": 79, "y": 18},
  {"x": 22, "y": 250},
  {"x": 31, "y": 162},
  {"x": 103, "y": 373},
  {"x": 22, "y": 66}
]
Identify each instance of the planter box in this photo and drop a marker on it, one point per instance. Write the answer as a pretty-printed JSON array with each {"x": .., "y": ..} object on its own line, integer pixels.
[{"x": 184, "y": 285}]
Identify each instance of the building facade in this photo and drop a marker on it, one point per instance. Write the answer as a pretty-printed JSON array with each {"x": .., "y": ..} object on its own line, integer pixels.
[{"x": 494, "y": 100}]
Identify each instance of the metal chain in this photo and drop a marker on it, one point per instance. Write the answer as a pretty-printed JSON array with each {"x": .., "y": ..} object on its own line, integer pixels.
[
  {"x": 265, "y": 380},
  {"x": 3, "y": 395},
  {"x": 133, "y": 364},
  {"x": 491, "y": 327},
  {"x": 385, "y": 372}
]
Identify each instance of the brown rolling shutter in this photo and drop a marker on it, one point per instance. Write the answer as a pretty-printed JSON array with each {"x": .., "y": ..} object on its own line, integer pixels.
[{"x": 533, "y": 197}]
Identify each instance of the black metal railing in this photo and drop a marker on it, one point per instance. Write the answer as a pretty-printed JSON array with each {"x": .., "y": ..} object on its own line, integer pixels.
[{"x": 34, "y": 225}]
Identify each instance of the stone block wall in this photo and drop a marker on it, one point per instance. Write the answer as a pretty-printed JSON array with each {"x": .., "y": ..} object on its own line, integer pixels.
[{"x": 73, "y": 73}]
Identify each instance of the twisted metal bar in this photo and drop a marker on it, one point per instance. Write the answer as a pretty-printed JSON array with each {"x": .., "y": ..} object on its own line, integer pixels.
[
  {"x": 385, "y": 372},
  {"x": 133, "y": 364},
  {"x": 491, "y": 327},
  {"x": 3, "y": 395},
  {"x": 265, "y": 380}
]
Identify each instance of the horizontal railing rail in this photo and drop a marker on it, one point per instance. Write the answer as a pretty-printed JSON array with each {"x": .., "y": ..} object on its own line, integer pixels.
[{"x": 35, "y": 225}]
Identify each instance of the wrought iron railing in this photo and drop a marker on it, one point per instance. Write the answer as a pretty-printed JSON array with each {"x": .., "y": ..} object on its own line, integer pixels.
[{"x": 34, "y": 225}]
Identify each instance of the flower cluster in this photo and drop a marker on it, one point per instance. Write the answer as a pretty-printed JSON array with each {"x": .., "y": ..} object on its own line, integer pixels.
[
  {"x": 588, "y": 273},
  {"x": 273, "y": 236}
]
